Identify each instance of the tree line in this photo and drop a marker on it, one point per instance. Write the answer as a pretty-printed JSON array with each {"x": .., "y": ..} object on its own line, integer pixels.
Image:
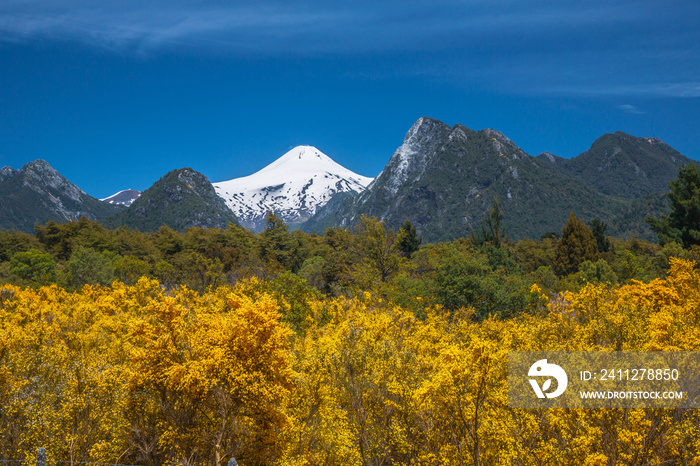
[{"x": 484, "y": 269}]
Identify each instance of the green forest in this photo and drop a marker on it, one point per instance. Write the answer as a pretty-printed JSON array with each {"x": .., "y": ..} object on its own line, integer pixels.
[{"x": 483, "y": 269}]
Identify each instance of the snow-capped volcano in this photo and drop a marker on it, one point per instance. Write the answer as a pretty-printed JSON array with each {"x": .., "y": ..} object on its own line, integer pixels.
[{"x": 293, "y": 187}]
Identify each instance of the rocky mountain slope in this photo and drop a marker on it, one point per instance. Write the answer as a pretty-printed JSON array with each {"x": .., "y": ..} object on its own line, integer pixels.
[
  {"x": 622, "y": 165},
  {"x": 37, "y": 193},
  {"x": 181, "y": 199},
  {"x": 444, "y": 179},
  {"x": 293, "y": 186}
]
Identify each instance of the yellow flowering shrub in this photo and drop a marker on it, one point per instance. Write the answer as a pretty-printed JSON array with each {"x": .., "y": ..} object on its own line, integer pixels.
[{"x": 142, "y": 374}]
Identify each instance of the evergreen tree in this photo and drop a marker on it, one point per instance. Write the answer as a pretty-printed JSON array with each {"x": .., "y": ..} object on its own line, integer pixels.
[
  {"x": 277, "y": 243},
  {"x": 408, "y": 240},
  {"x": 598, "y": 228},
  {"x": 577, "y": 245},
  {"x": 683, "y": 224},
  {"x": 168, "y": 241},
  {"x": 491, "y": 231}
]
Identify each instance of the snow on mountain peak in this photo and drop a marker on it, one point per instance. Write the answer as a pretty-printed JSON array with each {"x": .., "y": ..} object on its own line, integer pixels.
[
  {"x": 303, "y": 159},
  {"x": 125, "y": 197},
  {"x": 294, "y": 186}
]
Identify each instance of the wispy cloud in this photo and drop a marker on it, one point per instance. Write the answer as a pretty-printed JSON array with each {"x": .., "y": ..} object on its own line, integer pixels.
[
  {"x": 627, "y": 108},
  {"x": 651, "y": 90},
  {"x": 269, "y": 26},
  {"x": 154, "y": 25},
  {"x": 597, "y": 47}
]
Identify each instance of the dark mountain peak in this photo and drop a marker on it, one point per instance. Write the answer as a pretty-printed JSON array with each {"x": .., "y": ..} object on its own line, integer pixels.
[
  {"x": 622, "y": 165},
  {"x": 424, "y": 131},
  {"x": 177, "y": 184},
  {"x": 655, "y": 141},
  {"x": 550, "y": 158},
  {"x": 423, "y": 125},
  {"x": 6, "y": 173},
  {"x": 42, "y": 170},
  {"x": 621, "y": 139},
  {"x": 444, "y": 179},
  {"x": 40, "y": 176},
  {"x": 194, "y": 180},
  {"x": 460, "y": 133},
  {"x": 492, "y": 133},
  {"x": 39, "y": 165},
  {"x": 38, "y": 193},
  {"x": 607, "y": 140},
  {"x": 181, "y": 199},
  {"x": 502, "y": 145},
  {"x": 409, "y": 159}
]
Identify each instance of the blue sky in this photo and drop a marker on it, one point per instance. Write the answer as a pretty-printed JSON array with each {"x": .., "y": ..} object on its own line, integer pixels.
[{"x": 115, "y": 94}]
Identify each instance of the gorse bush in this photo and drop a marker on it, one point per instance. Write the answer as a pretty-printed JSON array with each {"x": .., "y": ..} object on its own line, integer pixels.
[{"x": 143, "y": 374}]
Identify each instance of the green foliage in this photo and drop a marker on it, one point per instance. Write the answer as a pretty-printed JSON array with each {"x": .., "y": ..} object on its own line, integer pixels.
[
  {"x": 487, "y": 282},
  {"x": 60, "y": 239},
  {"x": 493, "y": 279},
  {"x": 597, "y": 273},
  {"x": 408, "y": 241},
  {"x": 598, "y": 229},
  {"x": 683, "y": 224},
  {"x": 312, "y": 271},
  {"x": 532, "y": 254},
  {"x": 376, "y": 249},
  {"x": 337, "y": 249},
  {"x": 194, "y": 270},
  {"x": 296, "y": 297},
  {"x": 545, "y": 277},
  {"x": 168, "y": 241},
  {"x": 412, "y": 292},
  {"x": 577, "y": 245},
  {"x": 670, "y": 250},
  {"x": 129, "y": 269},
  {"x": 14, "y": 242},
  {"x": 630, "y": 266},
  {"x": 33, "y": 267},
  {"x": 88, "y": 267},
  {"x": 277, "y": 245},
  {"x": 491, "y": 230}
]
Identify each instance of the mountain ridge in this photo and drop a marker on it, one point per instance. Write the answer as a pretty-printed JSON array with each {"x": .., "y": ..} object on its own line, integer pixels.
[
  {"x": 622, "y": 165},
  {"x": 459, "y": 172},
  {"x": 443, "y": 178},
  {"x": 37, "y": 193}
]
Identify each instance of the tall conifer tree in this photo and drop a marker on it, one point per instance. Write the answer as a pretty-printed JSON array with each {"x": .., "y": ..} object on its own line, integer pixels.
[{"x": 576, "y": 246}]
